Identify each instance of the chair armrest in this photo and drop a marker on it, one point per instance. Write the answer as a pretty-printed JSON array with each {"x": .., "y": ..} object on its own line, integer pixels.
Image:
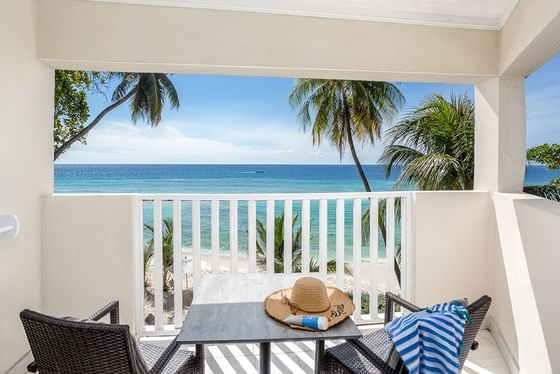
[
  {"x": 377, "y": 361},
  {"x": 112, "y": 309},
  {"x": 390, "y": 300},
  {"x": 165, "y": 357}
]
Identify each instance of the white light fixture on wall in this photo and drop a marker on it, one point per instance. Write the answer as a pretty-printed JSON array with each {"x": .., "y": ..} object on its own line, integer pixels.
[{"x": 9, "y": 226}]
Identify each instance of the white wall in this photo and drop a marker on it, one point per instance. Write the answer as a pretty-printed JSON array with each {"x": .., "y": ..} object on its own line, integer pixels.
[
  {"x": 504, "y": 245},
  {"x": 451, "y": 240},
  {"x": 89, "y": 34},
  {"x": 524, "y": 280},
  {"x": 530, "y": 37},
  {"x": 500, "y": 135},
  {"x": 26, "y": 105},
  {"x": 88, "y": 258}
]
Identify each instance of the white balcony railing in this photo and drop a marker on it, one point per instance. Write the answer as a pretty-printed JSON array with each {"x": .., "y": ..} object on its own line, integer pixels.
[{"x": 234, "y": 233}]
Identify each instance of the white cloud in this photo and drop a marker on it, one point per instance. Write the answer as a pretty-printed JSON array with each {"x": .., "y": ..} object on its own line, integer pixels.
[{"x": 223, "y": 141}]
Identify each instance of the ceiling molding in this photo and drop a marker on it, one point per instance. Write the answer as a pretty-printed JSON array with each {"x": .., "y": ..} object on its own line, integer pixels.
[{"x": 352, "y": 10}]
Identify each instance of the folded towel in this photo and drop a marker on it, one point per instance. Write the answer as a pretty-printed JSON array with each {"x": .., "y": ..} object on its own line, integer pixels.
[{"x": 430, "y": 341}]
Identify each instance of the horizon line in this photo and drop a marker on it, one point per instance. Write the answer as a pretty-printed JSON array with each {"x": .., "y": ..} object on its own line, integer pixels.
[{"x": 233, "y": 164}]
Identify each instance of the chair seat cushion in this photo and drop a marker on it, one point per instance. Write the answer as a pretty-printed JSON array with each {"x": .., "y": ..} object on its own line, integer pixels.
[
  {"x": 152, "y": 353},
  {"x": 378, "y": 342}
]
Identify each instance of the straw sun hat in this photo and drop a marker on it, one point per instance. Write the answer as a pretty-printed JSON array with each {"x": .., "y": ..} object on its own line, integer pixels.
[{"x": 309, "y": 296}]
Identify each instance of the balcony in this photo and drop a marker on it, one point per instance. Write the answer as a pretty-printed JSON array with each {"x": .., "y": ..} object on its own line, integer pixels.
[
  {"x": 74, "y": 252},
  {"x": 438, "y": 262}
]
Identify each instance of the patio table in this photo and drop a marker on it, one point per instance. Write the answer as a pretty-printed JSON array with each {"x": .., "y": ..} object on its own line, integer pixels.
[{"x": 229, "y": 308}]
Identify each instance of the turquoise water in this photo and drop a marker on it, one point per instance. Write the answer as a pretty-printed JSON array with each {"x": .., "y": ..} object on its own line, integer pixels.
[{"x": 241, "y": 179}]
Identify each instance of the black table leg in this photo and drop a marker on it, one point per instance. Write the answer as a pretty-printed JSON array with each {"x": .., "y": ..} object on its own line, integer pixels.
[
  {"x": 264, "y": 358},
  {"x": 199, "y": 351},
  {"x": 319, "y": 353}
]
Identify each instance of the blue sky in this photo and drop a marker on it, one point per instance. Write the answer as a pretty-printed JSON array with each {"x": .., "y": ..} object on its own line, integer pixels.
[{"x": 226, "y": 119}]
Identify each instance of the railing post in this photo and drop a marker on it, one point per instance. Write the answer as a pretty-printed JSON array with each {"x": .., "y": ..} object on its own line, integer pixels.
[
  {"x": 407, "y": 247},
  {"x": 138, "y": 215},
  {"x": 177, "y": 264},
  {"x": 215, "y": 235},
  {"x": 323, "y": 237},
  {"x": 305, "y": 235},
  {"x": 390, "y": 243},
  {"x": 158, "y": 265},
  {"x": 288, "y": 236},
  {"x": 252, "y": 236},
  {"x": 233, "y": 236},
  {"x": 357, "y": 256},
  {"x": 196, "y": 243},
  {"x": 270, "y": 236},
  {"x": 340, "y": 243},
  {"x": 373, "y": 256}
]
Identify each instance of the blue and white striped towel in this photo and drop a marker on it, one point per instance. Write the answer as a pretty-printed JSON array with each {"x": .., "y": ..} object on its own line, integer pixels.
[{"x": 430, "y": 341}]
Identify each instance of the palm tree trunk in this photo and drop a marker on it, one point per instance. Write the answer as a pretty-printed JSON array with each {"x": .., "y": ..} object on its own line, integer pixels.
[
  {"x": 350, "y": 140},
  {"x": 60, "y": 150},
  {"x": 365, "y": 182}
]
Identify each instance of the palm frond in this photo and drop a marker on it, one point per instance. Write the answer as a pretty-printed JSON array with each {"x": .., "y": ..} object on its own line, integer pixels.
[
  {"x": 434, "y": 144},
  {"x": 546, "y": 191}
]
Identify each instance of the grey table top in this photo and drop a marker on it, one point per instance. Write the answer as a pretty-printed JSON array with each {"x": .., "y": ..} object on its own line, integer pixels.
[{"x": 229, "y": 309}]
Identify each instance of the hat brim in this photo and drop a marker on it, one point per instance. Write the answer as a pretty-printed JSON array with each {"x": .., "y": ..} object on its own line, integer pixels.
[{"x": 341, "y": 307}]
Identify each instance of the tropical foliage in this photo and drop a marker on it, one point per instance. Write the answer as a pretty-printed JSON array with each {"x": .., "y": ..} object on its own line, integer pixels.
[
  {"x": 146, "y": 93},
  {"x": 71, "y": 110},
  {"x": 345, "y": 112},
  {"x": 167, "y": 252},
  {"x": 434, "y": 145},
  {"x": 296, "y": 249},
  {"x": 546, "y": 154},
  {"x": 365, "y": 302},
  {"x": 549, "y": 156}
]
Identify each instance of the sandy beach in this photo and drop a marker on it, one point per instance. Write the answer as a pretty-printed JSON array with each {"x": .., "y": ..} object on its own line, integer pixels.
[{"x": 243, "y": 267}]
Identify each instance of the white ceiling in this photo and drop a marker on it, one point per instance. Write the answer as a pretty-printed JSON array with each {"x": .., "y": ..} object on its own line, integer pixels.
[{"x": 477, "y": 14}]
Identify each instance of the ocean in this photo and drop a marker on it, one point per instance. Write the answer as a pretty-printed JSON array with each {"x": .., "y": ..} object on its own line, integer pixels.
[{"x": 134, "y": 178}]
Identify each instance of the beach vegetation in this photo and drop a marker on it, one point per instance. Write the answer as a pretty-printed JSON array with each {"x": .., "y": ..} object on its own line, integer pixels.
[
  {"x": 296, "y": 249},
  {"x": 71, "y": 109},
  {"x": 146, "y": 94},
  {"x": 545, "y": 154},
  {"x": 167, "y": 253},
  {"x": 434, "y": 146},
  {"x": 549, "y": 156}
]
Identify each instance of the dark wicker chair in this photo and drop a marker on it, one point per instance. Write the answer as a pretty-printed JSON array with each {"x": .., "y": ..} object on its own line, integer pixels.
[
  {"x": 374, "y": 353},
  {"x": 65, "y": 346}
]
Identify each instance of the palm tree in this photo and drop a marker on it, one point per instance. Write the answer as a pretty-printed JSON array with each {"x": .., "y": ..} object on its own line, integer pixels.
[
  {"x": 146, "y": 93},
  {"x": 345, "y": 112},
  {"x": 434, "y": 145},
  {"x": 296, "y": 249}
]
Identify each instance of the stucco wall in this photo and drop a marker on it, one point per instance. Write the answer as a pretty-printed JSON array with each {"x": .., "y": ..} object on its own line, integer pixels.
[
  {"x": 524, "y": 278},
  {"x": 88, "y": 243},
  {"x": 451, "y": 241},
  {"x": 529, "y": 37},
  {"x": 177, "y": 39},
  {"x": 25, "y": 168}
]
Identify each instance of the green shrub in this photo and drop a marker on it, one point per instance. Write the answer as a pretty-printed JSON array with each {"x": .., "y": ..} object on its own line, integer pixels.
[{"x": 365, "y": 302}]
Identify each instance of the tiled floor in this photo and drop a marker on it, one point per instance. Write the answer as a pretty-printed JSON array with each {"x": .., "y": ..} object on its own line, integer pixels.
[{"x": 299, "y": 357}]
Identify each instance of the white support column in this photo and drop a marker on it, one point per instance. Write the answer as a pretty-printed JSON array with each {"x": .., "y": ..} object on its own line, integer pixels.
[{"x": 500, "y": 135}]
